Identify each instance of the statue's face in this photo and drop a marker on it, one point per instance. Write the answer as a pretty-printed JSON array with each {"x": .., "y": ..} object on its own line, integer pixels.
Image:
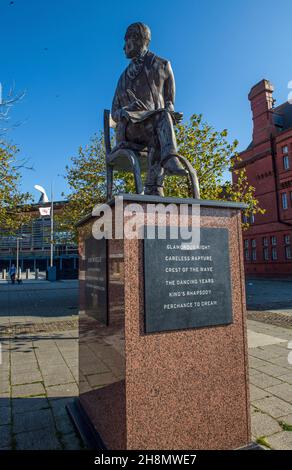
[{"x": 134, "y": 44}]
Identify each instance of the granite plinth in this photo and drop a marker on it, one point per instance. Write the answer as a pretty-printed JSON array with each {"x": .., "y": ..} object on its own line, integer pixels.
[{"x": 181, "y": 389}]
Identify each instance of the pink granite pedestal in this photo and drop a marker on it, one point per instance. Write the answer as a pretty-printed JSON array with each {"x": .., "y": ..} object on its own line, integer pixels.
[{"x": 182, "y": 389}]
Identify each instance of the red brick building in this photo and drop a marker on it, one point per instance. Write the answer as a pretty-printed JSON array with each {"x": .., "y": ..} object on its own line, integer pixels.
[{"x": 268, "y": 162}]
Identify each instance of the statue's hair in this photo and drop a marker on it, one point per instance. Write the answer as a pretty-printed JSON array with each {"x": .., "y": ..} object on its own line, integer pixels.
[{"x": 142, "y": 29}]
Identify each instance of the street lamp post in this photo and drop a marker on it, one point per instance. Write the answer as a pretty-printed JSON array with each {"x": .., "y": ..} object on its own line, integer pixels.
[
  {"x": 51, "y": 272},
  {"x": 17, "y": 256},
  {"x": 17, "y": 253},
  {"x": 52, "y": 227}
]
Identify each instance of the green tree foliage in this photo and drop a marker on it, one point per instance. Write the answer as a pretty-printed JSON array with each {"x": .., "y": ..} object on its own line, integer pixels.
[
  {"x": 86, "y": 178},
  {"x": 13, "y": 203},
  {"x": 207, "y": 149},
  {"x": 213, "y": 157}
]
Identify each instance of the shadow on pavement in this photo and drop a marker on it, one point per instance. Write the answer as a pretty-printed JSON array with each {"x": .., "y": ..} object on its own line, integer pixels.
[
  {"x": 269, "y": 294},
  {"x": 37, "y": 423}
]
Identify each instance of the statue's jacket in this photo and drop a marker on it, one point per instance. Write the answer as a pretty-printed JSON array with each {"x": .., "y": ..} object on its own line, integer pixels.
[{"x": 154, "y": 86}]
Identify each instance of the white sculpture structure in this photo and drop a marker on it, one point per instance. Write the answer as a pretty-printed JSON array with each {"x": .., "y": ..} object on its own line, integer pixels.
[{"x": 44, "y": 197}]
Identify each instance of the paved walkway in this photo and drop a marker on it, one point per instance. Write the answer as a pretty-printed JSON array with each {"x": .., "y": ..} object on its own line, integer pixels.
[
  {"x": 274, "y": 295},
  {"x": 270, "y": 384},
  {"x": 39, "y": 370},
  {"x": 39, "y": 374},
  {"x": 36, "y": 301}
]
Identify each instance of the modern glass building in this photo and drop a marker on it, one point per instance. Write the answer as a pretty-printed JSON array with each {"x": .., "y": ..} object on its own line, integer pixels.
[{"x": 33, "y": 242}]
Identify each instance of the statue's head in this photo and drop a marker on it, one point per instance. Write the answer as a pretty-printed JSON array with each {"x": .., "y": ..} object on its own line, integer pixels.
[{"x": 137, "y": 39}]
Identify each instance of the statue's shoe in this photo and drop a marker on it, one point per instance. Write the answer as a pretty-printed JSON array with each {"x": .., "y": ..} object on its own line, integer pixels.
[
  {"x": 173, "y": 166},
  {"x": 154, "y": 191}
]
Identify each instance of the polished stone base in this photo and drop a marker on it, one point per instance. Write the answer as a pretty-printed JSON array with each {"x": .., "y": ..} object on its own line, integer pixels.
[
  {"x": 83, "y": 424},
  {"x": 92, "y": 439},
  {"x": 186, "y": 388}
]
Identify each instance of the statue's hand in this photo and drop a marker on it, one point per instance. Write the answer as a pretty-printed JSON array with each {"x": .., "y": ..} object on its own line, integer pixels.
[
  {"x": 177, "y": 117},
  {"x": 124, "y": 114},
  {"x": 136, "y": 105}
]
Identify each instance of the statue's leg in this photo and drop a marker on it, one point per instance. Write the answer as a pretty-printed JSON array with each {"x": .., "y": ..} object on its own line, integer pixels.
[
  {"x": 166, "y": 135},
  {"x": 155, "y": 173},
  {"x": 145, "y": 132},
  {"x": 168, "y": 145}
]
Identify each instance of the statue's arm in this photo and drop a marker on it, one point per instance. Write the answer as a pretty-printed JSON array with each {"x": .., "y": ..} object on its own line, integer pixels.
[
  {"x": 116, "y": 108},
  {"x": 169, "y": 88},
  {"x": 118, "y": 111}
]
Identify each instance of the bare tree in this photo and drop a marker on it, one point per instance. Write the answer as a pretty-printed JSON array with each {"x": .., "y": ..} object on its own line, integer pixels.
[
  {"x": 6, "y": 105},
  {"x": 13, "y": 202}
]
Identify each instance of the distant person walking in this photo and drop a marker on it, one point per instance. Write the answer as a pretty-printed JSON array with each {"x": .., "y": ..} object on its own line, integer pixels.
[{"x": 12, "y": 273}]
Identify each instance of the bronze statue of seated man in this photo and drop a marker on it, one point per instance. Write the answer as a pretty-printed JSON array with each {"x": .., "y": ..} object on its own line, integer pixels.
[{"x": 143, "y": 108}]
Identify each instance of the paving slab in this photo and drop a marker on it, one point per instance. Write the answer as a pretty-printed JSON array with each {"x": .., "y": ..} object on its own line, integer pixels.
[
  {"x": 5, "y": 415},
  {"x": 4, "y": 386},
  {"x": 55, "y": 378},
  {"x": 273, "y": 369},
  {"x": 58, "y": 406},
  {"x": 62, "y": 390},
  {"x": 257, "y": 393},
  {"x": 260, "y": 339},
  {"x": 26, "y": 377},
  {"x": 28, "y": 390},
  {"x": 24, "y": 405},
  {"x": 262, "y": 353},
  {"x": 287, "y": 378},
  {"x": 273, "y": 406},
  {"x": 263, "y": 380},
  {"x": 287, "y": 419},
  {"x": 5, "y": 399},
  {"x": 44, "y": 439},
  {"x": 264, "y": 425},
  {"x": 64, "y": 424},
  {"x": 283, "y": 391},
  {"x": 281, "y": 440},
  {"x": 72, "y": 442},
  {"x": 33, "y": 420},
  {"x": 5, "y": 436}
]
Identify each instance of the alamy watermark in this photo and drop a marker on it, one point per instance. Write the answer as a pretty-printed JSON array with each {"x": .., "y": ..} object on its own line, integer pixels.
[{"x": 148, "y": 220}]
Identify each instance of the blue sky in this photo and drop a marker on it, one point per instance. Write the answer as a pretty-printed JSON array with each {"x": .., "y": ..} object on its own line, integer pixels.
[{"x": 67, "y": 55}]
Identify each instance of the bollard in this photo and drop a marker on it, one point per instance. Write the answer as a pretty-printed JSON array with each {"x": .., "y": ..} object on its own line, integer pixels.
[
  {"x": 27, "y": 273},
  {"x": 37, "y": 273},
  {"x": 4, "y": 274},
  {"x": 19, "y": 277}
]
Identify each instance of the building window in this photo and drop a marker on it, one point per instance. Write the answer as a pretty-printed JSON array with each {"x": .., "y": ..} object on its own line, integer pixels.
[
  {"x": 265, "y": 241},
  {"x": 254, "y": 243},
  {"x": 254, "y": 255},
  {"x": 246, "y": 255},
  {"x": 266, "y": 254},
  {"x": 287, "y": 239},
  {"x": 274, "y": 240},
  {"x": 251, "y": 219},
  {"x": 274, "y": 254},
  {"x": 284, "y": 201},
  {"x": 285, "y": 149},
  {"x": 246, "y": 243},
  {"x": 288, "y": 252},
  {"x": 244, "y": 217},
  {"x": 286, "y": 162},
  {"x": 291, "y": 197}
]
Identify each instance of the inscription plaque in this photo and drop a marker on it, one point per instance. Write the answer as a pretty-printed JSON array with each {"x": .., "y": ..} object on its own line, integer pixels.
[
  {"x": 187, "y": 288},
  {"x": 96, "y": 279}
]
